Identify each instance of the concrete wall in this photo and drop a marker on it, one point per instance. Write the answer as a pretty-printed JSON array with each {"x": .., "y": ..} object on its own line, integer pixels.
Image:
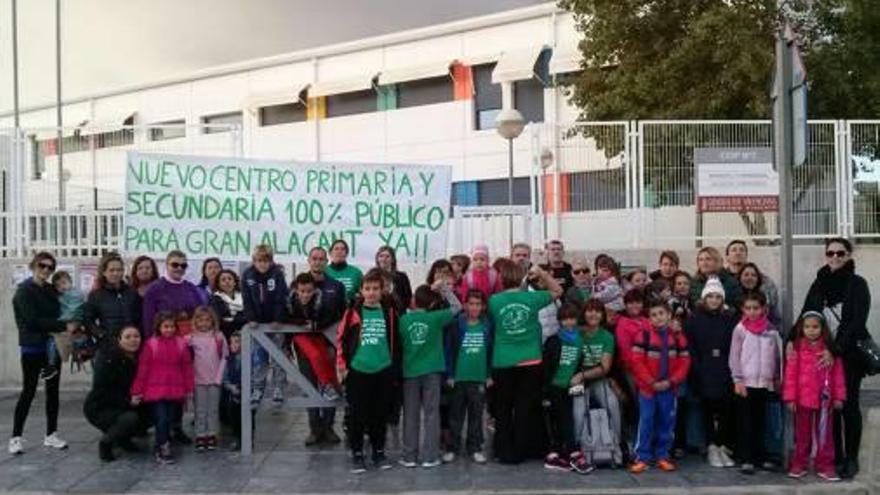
[{"x": 808, "y": 259}]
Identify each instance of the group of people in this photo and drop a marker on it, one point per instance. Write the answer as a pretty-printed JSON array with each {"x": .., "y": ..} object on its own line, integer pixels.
[{"x": 580, "y": 364}]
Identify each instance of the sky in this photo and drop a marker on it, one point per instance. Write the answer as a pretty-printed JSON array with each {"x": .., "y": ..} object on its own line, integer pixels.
[{"x": 113, "y": 43}]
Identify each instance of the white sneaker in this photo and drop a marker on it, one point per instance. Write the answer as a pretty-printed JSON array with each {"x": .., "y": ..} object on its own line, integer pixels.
[
  {"x": 448, "y": 457},
  {"x": 714, "y": 457},
  {"x": 407, "y": 464},
  {"x": 55, "y": 442},
  {"x": 726, "y": 460},
  {"x": 479, "y": 458},
  {"x": 431, "y": 464},
  {"x": 16, "y": 446}
]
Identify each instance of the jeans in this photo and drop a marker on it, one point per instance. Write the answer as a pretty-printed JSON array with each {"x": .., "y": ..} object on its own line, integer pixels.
[
  {"x": 165, "y": 413},
  {"x": 468, "y": 400},
  {"x": 656, "y": 426},
  {"x": 31, "y": 364}
]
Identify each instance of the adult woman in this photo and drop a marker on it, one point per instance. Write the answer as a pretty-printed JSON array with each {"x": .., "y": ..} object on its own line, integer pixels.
[
  {"x": 516, "y": 360},
  {"x": 751, "y": 278},
  {"x": 113, "y": 304},
  {"x": 228, "y": 303},
  {"x": 664, "y": 275},
  {"x": 710, "y": 264},
  {"x": 211, "y": 267},
  {"x": 171, "y": 293},
  {"x": 845, "y": 299},
  {"x": 36, "y": 309},
  {"x": 143, "y": 273},
  {"x": 386, "y": 260},
  {"x": 582, "y": 289},
  {"x": 350, "y": 276},
  {"x": 108, "y": 405}
]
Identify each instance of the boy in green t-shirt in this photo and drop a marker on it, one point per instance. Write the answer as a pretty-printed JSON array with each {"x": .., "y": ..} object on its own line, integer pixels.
[
  {"x": 563, "y": 353},
  {"x": 593, "y": 379},
  {"x": 421, "y": 336},
  {"x": 367, "y": 363},
  {"x": 468, "y": 362},
  {"x": 348, "y": 275}
]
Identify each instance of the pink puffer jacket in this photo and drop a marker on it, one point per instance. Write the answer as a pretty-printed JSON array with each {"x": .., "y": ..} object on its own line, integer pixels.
[
  {"x": 805, "y": 379},
  {"x": 755, "y": 359},
  {"x": 165, "y": 370}
]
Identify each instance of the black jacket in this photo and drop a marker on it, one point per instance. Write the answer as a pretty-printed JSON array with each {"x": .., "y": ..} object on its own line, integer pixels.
[
  {"x": 264, "y": 295},
  {"x": 843, "y": 286},
  {"x": 350, "y": 334},
  {"x": 112, "y": 377},
  {"x": 562, "y": 275},
  {"x": 109, "y": 310},
  {"x": 228, "y": 323},
  {"x": 709, "y": 335},
  {"x": 333, "y": 301},
  {"x": 36, "y": 311}
]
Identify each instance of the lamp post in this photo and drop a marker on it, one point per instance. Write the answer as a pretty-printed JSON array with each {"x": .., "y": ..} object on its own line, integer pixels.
[
  {"x": 510, "y": 124},
  {"x": 546, "y": 163}
]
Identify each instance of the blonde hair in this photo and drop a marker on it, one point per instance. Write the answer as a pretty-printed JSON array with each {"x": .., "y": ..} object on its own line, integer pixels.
[
  {"x": 714, "y": 253},
  {"x": 263, "y": 251},
  {"x": 206, "y": 311}
]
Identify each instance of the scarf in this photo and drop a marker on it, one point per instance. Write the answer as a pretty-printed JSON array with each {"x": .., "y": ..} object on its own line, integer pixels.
[
  {"x": 758, "y": 326},
  {"x": 235, "y": 304},
  {"x": 568, "y": 335},
  {"x": 835, "y": 284},
  {"x": 175, "y": 282}
]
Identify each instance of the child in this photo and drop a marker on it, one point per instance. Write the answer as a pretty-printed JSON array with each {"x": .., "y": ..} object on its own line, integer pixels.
[
  {"x": 593, "y": 377},
  {"x": 306, "y": 310},
  {"x": 659, "y": 364},
  {"x": 709, "y": 331},
  {"x": 481, "y": 276},
  {"x": 264, "y": 292},
  {"x": 460, "y": 264},
  {"x": 421, "y": 337},
  {"x": 637, "y": 278},
  {"x": 209, "y": 359},
  {"x": 606, "y": 287},
  {"x": 468, "y": 360},
  {"x": 60, "y": 346},
  {"x": 680, "y": 301},
  {"x": 755, "y": 367},
  {"x": 164, "y": 380},
  {"x": 367, "y": 363},
  {"x": 230, "y": 397},
  {"x": 812, "y": 391},
  {"x": 562, "y": 360},
  {"x": 631, "y": 325}
]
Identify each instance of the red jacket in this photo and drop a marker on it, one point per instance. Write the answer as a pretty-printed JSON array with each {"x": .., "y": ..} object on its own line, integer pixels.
[
  {"x": 804, "y": 379},
  {"x": 165, "y": 370},
  {"x": 626, "y": 332},
  {"x": 645, "y": 359}
]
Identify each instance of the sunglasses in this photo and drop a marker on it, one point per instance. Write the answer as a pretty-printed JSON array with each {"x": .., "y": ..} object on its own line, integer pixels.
[
  {"x": 176, "y": 265},
  {"x": 581, "y": 272},
  {"x": 839, "y": 254},
  {"x": 47, "y": 266}
]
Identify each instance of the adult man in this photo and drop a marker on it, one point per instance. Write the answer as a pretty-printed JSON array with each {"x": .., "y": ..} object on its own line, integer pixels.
[
  {"x": 521, "y": 253},
  {"x": 736, "y": 254},
  {"x": 332, "y": 296},
  {"x": 557, "y": 266}
]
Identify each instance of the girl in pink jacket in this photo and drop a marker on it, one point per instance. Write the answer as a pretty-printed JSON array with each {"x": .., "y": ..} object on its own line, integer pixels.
[
  {"x": 164, "y": 380},
  {"x": 209, "y": 365},
  {"x": 480, "y": 275},
  {"x": 811, "y": 390}
]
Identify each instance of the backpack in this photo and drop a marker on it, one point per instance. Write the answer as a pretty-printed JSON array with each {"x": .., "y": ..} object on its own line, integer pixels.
[{"x": 598, "y": 442}]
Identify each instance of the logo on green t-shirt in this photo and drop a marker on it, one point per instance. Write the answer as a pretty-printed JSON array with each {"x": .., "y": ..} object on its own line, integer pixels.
[{"x": 514, "y": 318}]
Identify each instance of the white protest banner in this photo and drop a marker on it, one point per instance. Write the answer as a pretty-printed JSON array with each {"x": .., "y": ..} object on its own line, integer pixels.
[{"x": 224, "y": 207}]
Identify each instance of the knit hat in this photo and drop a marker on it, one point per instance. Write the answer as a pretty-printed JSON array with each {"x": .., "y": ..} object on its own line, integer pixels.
[
  {"x": 480, "y": 249},
  {"x": 713, "y": 286}
]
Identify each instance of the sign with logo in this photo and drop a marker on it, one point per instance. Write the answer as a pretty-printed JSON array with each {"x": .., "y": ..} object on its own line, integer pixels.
[{"x": 736, "y": 180}]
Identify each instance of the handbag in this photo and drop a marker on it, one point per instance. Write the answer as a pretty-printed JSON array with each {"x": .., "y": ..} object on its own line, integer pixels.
[{"x": 867, "y": 349}]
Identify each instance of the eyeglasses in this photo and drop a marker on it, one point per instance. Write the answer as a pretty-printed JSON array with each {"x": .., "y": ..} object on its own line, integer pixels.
[
  {"x": 584, "y": 271},
  {"x": 47, "y": 266},
  {"x": 175, "y": 265},
  {"x": 838, "y": 254}
]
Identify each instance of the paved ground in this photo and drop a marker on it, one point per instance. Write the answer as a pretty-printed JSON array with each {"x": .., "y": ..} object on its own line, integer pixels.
[{"x": 282, "y": 465}]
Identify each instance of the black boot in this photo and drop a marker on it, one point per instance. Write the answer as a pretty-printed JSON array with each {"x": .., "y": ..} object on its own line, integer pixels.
[
  {"x": 129, "y": 446},
  {"x": 849, "y": 469},
  {"x": 105, "y": 451}
]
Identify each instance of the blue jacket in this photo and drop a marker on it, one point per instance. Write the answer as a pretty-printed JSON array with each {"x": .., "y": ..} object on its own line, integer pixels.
[
  {"x": 454, "y": 335},
  {"x": 264, "y": 295}
]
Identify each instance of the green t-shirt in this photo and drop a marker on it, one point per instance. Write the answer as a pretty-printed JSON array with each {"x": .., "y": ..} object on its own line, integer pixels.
[
  {"x": 372, "y": 355},
  {"x": 517, "y": 329},
  {"x": 471, "y": 365},
  {"x": 583, "y": 294},
  {"x": 350, "y": 277},
  {"x": 595, "y": 345},
  {"x": 421, "y": 334},
  {"x": 569, "y": 361}
]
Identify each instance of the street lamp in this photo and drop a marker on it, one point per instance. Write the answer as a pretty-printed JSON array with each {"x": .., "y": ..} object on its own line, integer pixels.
[
  {"x": 510, "y": 124},
  {"x": 546, "y": 163}
]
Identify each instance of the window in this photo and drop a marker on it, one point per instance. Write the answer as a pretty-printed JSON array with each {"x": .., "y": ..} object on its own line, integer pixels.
[
  {"x": 596, "y": 190},
  {"x": 221, "y": 122},
  {"x": 487, "y": 97},
  {"x": 528, "y": 98},
  {"x": 351, "y": 103},
  {"x": 173, "y": 129},
  {"x": 284, "y": 113},
  {"x": 494, "y": 192},
  {"x": 424, "y": 92}
]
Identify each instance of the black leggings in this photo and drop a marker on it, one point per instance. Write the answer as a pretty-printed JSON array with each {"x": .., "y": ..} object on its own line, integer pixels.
[
  {"x": 31, "y": 364},
  {"x": 517, "y": 405},
  {"x": 848, "y": 422}
]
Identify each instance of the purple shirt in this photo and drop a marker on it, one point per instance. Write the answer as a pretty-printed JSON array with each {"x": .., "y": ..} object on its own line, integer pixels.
[{"x": 164, "y": 295}]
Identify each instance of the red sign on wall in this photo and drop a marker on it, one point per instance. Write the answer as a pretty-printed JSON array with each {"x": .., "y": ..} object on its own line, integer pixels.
[{"x": 716, "y": 204}]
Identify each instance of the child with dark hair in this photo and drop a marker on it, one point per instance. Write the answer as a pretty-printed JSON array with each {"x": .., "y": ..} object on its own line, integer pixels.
[
  {"x": 72, "y": 302},
  {"x": 606, "y": 285},
  {"x": 813, "y": 392},
  {"x": 368, "y": 363},
  {"x": 307, "y": 311},
  {"x": 460, "y": 264},
  {"x": 421, "y": 338},
  {"x": 563, "y": 353}
]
